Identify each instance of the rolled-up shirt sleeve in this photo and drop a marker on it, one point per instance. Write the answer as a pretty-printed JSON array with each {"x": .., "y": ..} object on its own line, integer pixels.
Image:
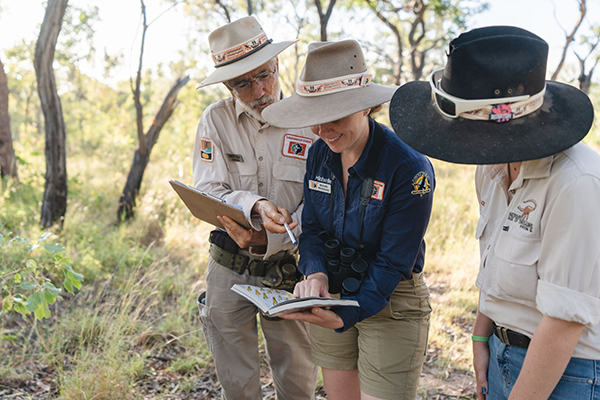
[{"x": 569, "y": 264}]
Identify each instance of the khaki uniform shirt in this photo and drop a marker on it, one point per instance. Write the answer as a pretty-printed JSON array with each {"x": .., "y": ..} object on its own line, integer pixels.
[
  {"x": 540, "y": 244},
  {"x": 241, "y": 161}
]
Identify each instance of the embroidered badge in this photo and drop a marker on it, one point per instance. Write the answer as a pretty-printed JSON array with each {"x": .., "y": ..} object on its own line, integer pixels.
[
  {"x": 296, "y": 146},
  {"x": 319, "y": 186},
  {"x": 378, "y": 190},
  {"x": 235, "y": 157},
  {"x": 528, "y": 207},
  {"x": 421, "y": 185},
  {"x": 206, "y": 149},
  {"x": 501, "y": 113}
]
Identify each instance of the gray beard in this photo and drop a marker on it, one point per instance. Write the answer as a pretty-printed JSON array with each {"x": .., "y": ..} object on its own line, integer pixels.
[{"x": 250, "y": 110}]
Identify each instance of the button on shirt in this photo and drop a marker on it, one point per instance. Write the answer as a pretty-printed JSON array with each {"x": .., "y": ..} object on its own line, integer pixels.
[
  {"x": 394, "y": 224},
  {"x": 241, "y": 161},
  {"x": 540, "y": 249}
]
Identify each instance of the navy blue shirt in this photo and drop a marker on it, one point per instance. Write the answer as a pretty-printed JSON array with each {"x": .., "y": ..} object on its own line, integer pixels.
[{"x": 395, "y": 220}]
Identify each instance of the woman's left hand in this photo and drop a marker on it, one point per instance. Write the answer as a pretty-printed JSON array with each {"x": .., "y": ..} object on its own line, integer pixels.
[{"x": 318, "y": 316}]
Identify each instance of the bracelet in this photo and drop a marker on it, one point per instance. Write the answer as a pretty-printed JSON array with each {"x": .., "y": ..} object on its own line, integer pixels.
[{"x": 480, "y": 338}]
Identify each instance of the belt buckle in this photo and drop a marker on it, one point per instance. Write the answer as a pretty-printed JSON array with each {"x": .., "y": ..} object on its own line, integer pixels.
[{"x": 502, "y": 333}]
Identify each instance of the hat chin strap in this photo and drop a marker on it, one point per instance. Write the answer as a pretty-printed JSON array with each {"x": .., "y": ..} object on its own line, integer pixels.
[
  {"x": 334, "y": 85},
  {"x": 506, "y": 111}
]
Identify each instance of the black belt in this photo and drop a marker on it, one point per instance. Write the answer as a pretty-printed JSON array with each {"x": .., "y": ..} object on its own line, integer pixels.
[{"x": 510, "y": 337}]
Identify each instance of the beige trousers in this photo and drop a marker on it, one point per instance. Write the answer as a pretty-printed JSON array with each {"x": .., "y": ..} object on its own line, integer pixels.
[{"x": 231, "y": 330}]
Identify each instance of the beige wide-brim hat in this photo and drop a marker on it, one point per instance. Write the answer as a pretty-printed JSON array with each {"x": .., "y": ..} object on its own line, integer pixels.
[
  {"x": 334, "y": 83},
  {"x": 240, "y": 47}
]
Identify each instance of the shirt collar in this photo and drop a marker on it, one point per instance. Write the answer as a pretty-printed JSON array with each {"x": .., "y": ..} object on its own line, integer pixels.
[
  {"x": 532, "y": 169},
  {"x": 333, "y": 160}
]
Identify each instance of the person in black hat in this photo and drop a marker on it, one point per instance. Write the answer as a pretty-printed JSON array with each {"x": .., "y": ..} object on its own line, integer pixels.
[{"x": 536, "y": 334}]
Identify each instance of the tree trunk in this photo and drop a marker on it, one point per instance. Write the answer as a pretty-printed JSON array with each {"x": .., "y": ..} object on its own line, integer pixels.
[
  {"x": 54, "y": 205},
  {"x": 570, "y": 38},
  {"x": 8, "y": 162},
  {"x": 140, "y": 161},
  {"x": 324, "y": 17}
]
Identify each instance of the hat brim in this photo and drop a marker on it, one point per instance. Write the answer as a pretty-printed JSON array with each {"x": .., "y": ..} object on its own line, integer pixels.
[
  {"x": 246, "y": 64},
  {"x": 563, "y": 120},
  {"x": 301, "y": 111}
]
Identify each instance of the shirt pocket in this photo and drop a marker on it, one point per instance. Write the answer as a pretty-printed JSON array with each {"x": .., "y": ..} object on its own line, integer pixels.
[
  {"x": 290, "y": 177},
  {"x": 245, "y": 174},
  {"x": 516, "y": 275}
]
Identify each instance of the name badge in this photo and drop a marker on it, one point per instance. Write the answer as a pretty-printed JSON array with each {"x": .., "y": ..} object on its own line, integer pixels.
[
  {"x": 319, "y": 186},
  {"x": 235, "y": 157}
]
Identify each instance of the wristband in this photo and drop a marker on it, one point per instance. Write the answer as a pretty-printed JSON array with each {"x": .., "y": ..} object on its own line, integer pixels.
[{"x": 480, "y": 338}]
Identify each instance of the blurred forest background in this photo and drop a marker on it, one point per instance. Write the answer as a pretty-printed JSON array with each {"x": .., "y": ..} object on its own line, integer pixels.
[{"x": 101, "y": 263}]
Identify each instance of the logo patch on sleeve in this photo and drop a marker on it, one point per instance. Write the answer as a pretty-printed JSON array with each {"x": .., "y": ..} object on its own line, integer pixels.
[
  {"x": 206, "y": 149},
  {"x": 421, "y": 185},
  {"x": 296, "y": 146},
  {"x": 378, "y": 190}
]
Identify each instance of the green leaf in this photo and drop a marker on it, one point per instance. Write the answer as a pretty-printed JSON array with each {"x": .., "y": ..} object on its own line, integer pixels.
[
  {"x": 1, "y": 240},
  {"x": 31, "y": 264},
  {"x": 7, "y": 304},
  {"x": 77, "y": 277},
  {"x": 68, "y": 285},
  {"x": 34, "y": 301},
  {"x": 44, "y": 237},
  {"x": 17, "y": 278},
  {"x": 20, "y": 239},
  {"x": 32, "y": 247},
  {"x": 53, "y": 248},
  {"x": 46, "y": 309},
  {"x": 49, "y": 297},
  {"x": 28, "y": 286},
  {"x": 20, "y": 308},
  {"x": 51, "y": 288},
  {"x": 39, "y": 313}
]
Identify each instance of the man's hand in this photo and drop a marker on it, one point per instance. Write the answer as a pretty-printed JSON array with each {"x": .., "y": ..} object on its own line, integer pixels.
[
  {"x": 242, "y": 236},
  {"x": 273, "y": 217}
]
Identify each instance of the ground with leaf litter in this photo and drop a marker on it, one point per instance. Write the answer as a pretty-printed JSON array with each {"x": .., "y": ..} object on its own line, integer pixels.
[{"x": 40, "y": 381}]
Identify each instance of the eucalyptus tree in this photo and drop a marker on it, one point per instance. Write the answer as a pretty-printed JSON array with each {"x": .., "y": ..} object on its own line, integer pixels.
[
  {"x": 54, "y": 205},
  {"x": 146, "y": 140},
  {"x": 418, "y": 28},
  {"x": 591, "y": 43},
  {"x": 8, "y": 162}
]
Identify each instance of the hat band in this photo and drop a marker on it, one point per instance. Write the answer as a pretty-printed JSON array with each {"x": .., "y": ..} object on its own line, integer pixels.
[
  {"x": 507, "y": 111},
  {"x": 326, "y": 86},
  {"x": 240, "y": 51}
]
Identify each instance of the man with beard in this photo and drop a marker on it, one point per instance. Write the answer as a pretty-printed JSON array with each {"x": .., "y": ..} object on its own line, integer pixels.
[{"x": 243, "y": 160}]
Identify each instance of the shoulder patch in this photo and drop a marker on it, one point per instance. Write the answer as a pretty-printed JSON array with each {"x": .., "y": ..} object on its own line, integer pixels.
[
  {"x": 421, "y": 184},
  {"x": 295, "y": 146},
  {"x": 206, "y": 149}
]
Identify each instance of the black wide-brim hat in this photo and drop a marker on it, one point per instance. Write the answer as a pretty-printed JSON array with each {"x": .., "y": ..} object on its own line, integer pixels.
[{"x": 487, "y": 63}]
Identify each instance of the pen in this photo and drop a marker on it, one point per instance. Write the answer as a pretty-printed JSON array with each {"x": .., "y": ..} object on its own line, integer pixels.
[{"x": 290, "y": 233}]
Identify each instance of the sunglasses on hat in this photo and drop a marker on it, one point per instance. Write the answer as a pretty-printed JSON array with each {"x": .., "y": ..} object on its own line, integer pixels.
[{"x": 452, "y": 107}]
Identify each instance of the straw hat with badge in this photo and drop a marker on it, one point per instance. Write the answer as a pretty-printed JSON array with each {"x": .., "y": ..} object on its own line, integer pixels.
[
  {"x": 240, "y": 47},
  {"x": 334, "y": 83}
]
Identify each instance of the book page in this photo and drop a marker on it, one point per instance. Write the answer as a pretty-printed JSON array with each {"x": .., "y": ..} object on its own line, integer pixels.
[{"x": 263, "y": 297}]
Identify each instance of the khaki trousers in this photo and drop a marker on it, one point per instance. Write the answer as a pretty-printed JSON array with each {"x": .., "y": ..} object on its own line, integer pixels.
[{"x": 231, "y": 331}]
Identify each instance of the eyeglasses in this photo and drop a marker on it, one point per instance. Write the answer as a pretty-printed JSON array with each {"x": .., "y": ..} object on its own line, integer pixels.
[
  {"x": 245, "y": 87},
  {"x": 452, "y": 106}
]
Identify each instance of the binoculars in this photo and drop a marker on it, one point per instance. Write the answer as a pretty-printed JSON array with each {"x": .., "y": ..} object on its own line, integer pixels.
[{"x": 345, "y": 268}]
